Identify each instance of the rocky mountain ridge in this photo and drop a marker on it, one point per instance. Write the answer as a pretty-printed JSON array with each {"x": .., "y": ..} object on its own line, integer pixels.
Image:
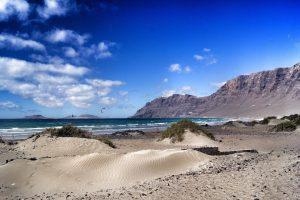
[{"x": 273, "y": 92}]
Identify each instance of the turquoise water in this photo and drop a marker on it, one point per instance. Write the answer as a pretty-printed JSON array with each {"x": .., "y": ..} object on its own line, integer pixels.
[{"x": 22, "y": 128}]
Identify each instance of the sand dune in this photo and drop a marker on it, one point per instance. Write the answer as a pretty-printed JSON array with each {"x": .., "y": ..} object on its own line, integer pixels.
[
  {"x": 96, "y": 171},
  {"x": 62, "y": 146},
  {"x": 192, "y": 139}
]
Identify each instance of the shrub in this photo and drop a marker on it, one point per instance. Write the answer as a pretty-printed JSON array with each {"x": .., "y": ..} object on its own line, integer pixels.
[
  {"x": 68, "y": 131},
  {"x": 266, "y": 120},
  {"x": 229, "y": 123},
  {"x": 297, "y": 121},
  {"x": 72, "y": 131},
  {"x": 251, "y": 123},
  {"x": 294, "y": 118},
  {"x": 285, "y": 126},
  {"x": 176, "y": 131},
  {"x": 291, "y": 117}
]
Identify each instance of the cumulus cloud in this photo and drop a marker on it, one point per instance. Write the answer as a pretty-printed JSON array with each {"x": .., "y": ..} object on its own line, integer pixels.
[
  {"x": 55, "y": 8},
  {"x": 8, "y": 105},
  {"x": 104, "y": 83},
  {"x": 11, "y": 67},
  {"x": 107, "y": 101},
  {"x": 186, "y": 90},
  {"x": 175, "y": 68},
  {"x": 168, "y": 93},
  {"x": 218, "y": 84},
  {"x": 16, "y": 43},
  {"x": 66, "y": 36},
  {"x": 70, "y": 52},
  {"x": 47, "y": 59},
  {"x": 198, "y": 57},
  {"x": 182, "y": 90},
  {"x": 103, "y": 50},
  {"x": 165, "y": 80},
  {"x": 51, "y": 85},
  {"x": 18, "y": 8},
  {"x": 207, "y": 57}
]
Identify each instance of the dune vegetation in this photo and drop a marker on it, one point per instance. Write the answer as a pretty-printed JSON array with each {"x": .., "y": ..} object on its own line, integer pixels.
[
  {"x": 176, "y": 131},
  {"x": 72, "y": 131},
  {"x": 284, "y": 126}
]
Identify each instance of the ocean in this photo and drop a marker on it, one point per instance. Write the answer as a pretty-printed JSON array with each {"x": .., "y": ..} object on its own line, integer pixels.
[{"x": 23, "y": 128}]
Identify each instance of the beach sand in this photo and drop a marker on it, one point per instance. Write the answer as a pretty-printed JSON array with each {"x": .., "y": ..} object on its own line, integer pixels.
[{"x": 144, "y": 168}]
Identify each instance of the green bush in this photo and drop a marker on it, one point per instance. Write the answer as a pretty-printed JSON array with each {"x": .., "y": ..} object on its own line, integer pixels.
[
  {"x": 68, "y": 131},
  {"x": 72, "y": 131},
  {"x": 231, "y": 123},
  {"x": 266, "y": 120},
  {"x": 291, "y": 117},
  {"x": 294, "y": 118},
  {"x": 297, "y": 121},
  {"x": 251, "y": 123},
  {"x": 285, "y": 126},
  {"x": 177, "y": 130}
]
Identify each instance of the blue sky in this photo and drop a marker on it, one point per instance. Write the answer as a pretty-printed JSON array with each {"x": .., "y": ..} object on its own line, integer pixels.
[{"x": 75, "y": 57}]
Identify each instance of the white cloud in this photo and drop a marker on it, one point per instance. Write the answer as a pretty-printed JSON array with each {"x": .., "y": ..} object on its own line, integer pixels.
[
  {"x": 104, "y": 83},
  {"x": 187, "y": 69},
  {"x": 107, "y": 101},
  {"x": 186, "y": 90},
  {"x": 51, "y": 85},
  {"x": 8, "y": 105},
  {"x": 47, "y": 59},
  {"x": 103, "y": 50},
  {"x": 70, "y": 52},
  {"x": 13, "y": 42},
  {"x": 104, "y": 91},
  {"x": 198, "y": 57},
  {"x": 48, "y": 79},
  {"x": 80, "y": 95},
  {"x": 55, "y": 8},
  {"x": 12, "y": 67},
  {"x": 207, "y": 57},
  {"x": 218, "y": 84},
  {"x": 168, "y": 93},
  {"x": 175, "y": 68},
  {"x": 66, "y": 36},
  {"x": 9, "y": 8},
  {"x": 165, "y": 80},
  {"x": 123, "y": 93},
  {"x": 182, "y": 90}
]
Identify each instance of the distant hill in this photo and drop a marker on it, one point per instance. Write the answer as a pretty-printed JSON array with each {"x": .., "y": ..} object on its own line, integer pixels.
[
  {"x": 86, "y": 116},
  {"x": 266, "y": 93},
  {"x": 35, "y": 117}
]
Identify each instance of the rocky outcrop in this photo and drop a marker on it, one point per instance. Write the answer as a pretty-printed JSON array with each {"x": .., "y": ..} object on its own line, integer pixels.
[{"x": 274, "y": 92}]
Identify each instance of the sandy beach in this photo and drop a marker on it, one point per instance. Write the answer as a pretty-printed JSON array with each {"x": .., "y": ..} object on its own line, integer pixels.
[{"x": 44, "y": 167}]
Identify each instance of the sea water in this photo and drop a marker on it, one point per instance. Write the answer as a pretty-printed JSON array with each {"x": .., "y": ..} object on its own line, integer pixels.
[{"x": 23, "y": 128}]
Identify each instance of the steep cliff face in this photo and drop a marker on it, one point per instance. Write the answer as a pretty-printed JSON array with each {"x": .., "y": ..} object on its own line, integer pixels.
[{"x": 274, "y": 92}]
